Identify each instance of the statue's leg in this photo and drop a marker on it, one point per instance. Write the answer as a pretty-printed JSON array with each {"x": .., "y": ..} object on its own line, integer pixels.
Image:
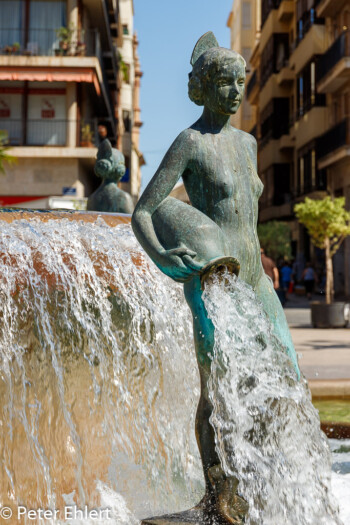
[
  {"x": 221, "y": 497},
  {"x": 273, "y": 308},
  {"x": 203, "y": 331}
]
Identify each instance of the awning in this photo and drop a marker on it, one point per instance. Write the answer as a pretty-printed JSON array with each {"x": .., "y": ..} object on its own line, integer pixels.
[
  {"x": 16, "y": 200},
  {"x": 56, "y": 75}
]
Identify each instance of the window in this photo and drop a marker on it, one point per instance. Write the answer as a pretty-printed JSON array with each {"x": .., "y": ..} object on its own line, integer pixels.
[
  {"x": 246, "y": 15},
  {"x": 32, "y": 29},
  {"x": 126, "y": 120},
  {"x": 306, "y": 87},
  {"x": 274, "y": 56},
  {"x": 11, "y": 23},
  {"x": 44, "y": 18},
  {"x": 274, "y": 120},
  {"x": 125, "y": 29},
  {"x": 309, "y": 177},
  {"x": 46, "y": 122}
]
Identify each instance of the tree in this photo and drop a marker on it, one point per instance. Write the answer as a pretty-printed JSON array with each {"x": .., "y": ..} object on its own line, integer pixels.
[
  {"x": 275, "y": 238},
  {"x": 4, "y": 156},
  {"x": 328, "y": 223}
]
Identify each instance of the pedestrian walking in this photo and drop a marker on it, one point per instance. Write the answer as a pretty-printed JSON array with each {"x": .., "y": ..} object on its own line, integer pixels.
[
  {"x": 286, "y": 275},
  {"x": 270, "y": 269},
  {"x": 309, "y": 277}
]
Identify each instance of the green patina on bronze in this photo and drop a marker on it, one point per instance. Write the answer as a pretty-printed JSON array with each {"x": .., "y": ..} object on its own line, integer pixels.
[
  {"x": 110, "y": 166},
  {"x": 218, "y": 166}
]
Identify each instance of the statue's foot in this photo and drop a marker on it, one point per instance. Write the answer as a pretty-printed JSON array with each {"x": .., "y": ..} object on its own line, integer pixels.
[{"x": 229, "y": 505}]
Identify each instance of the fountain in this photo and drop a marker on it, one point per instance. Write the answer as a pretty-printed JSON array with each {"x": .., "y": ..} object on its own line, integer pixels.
[
  {"x": 98, "y": 375},
  {"x": 99, "y": 383}
]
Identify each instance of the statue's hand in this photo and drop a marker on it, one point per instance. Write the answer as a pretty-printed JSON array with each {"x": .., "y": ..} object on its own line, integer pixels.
[{"x": 179, "y": 264}]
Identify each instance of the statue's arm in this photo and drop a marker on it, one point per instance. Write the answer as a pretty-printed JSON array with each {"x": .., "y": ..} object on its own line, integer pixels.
[{"x": 169, "y": 172}]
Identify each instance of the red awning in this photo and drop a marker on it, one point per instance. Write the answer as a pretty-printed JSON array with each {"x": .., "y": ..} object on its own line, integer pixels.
[
  {"x": 14, "y": 200},
  {"x": 54, "y": 75}
]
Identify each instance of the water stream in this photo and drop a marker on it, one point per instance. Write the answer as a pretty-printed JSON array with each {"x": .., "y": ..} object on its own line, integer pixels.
[
  {"x": 268, "y": 432},
  {"x": 99, "y": 384}
]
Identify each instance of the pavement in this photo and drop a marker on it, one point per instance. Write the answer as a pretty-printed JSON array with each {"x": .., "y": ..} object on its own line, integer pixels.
[{"x": 324, "y": 353}]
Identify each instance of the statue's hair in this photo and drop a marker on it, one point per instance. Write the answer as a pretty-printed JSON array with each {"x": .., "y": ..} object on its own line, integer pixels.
[{"x": 207, "y": 65}]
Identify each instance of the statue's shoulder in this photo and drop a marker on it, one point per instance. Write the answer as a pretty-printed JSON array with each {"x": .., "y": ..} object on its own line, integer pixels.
[
  {"x": 187, "y": 136},
  {"x": 185, "y": 142},
  {"x": 247, "y": 138}
]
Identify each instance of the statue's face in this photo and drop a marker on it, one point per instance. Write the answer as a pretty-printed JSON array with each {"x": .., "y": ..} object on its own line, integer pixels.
[{"x": 224, "y": 91}]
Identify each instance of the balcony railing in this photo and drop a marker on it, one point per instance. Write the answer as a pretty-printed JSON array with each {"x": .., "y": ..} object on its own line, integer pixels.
[
  {"x": 252, "y": 83},
  {"x": 53, "y": 132},
  {"x": 305, "y": 23},
  {"x": 335, "y": 138},
  {"x": 339, "y": 50},
  {"x": 48, "y": 42}
]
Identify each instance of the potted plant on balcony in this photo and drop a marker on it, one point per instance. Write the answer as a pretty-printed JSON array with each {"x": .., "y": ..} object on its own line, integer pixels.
[
  {"x": 16, "y": 47},
  {"x": 12, "y": 50},
  {"x": 328, "y": 224},
  {"x": 64, "y": 35},
  {"x": 87, "y": 136}
]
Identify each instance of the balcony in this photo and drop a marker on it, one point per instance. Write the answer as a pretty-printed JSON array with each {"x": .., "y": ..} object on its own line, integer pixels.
[
  {"x": 310, "y": 125},
  {"x": 313, "y": 43},
  {"x": 333, "y": 68},
  {"x": 286, "y": 10},
  {"x": 334, "y": 145},
  {"x": 52, "y": 132},
  {"x": 266, "y": 8},
  {"x": 57, "y": 55},
  {"x": 48, "y": 42}
]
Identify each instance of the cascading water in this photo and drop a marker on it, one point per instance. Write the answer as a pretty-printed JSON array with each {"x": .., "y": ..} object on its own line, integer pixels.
[
  {"x": 267, "y": 430},
  {"x": 99, "y": 385},
  {"x": 98, "y": 378}
]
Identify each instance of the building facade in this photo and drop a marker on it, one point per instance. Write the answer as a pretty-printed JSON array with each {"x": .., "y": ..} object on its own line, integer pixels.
[
  {"x": 244, "y": 22},
  {"x": 129, "y": 113},
  {"x": 59, "y": 82},
  {"x": 300, "y": 86}
]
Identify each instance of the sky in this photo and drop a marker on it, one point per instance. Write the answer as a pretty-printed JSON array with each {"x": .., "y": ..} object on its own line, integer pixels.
[{"x": 168, "y": 31}]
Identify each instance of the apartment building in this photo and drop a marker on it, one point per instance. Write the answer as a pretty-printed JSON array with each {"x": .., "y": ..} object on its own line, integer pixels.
[
  {"x": 59, "y": 81},
  {"x": 244, "y": 22},
  {"x": 129, "y": 113},
  {"x": 301, "y": 90}
]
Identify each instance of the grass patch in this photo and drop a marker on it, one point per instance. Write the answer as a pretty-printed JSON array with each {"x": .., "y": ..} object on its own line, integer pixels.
[{"x": 336, "y": 410}]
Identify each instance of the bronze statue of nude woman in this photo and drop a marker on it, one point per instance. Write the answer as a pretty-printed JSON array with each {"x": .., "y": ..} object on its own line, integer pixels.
[{"x": 218, "y": 166}]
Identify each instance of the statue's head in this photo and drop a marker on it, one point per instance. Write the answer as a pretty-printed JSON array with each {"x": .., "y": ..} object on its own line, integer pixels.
[
  {"x": 110, "y": 163},
  {"x": 217, "y": 80}
]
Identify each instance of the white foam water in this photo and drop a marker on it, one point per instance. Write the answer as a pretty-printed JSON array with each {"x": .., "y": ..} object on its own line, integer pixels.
[
  {"x": 267, "y": 430},
  {"x": 95, "y": 348},
  {"x": 99, "y": 386}
]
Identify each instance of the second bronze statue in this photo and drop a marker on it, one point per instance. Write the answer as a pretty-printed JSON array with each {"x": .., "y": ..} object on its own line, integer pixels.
[{"x": 110, "y": 167}]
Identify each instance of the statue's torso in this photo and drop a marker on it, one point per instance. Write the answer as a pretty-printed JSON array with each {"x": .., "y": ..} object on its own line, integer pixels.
[
  {"x": 222, "y": 182},
  {"x": 109, "y": 198}
]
